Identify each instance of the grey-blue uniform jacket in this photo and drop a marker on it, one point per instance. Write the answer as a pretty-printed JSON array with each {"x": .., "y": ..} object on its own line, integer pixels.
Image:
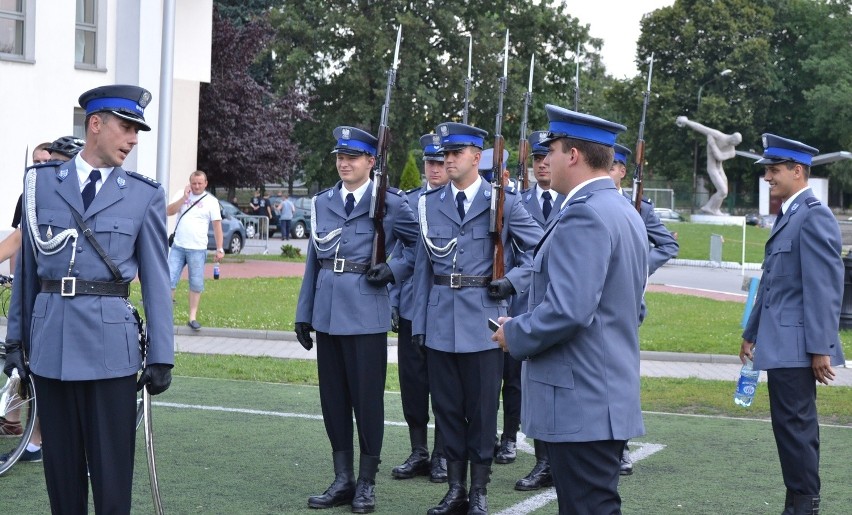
[
  {"x": 456, "y": 320},
  {"x": 402, "y": 291},
  {"x": 581, "y": 379},
  {"x": 345, "y": 303},
  {"x": 529, "y": 198},
  {"x": 797, "y": 310},
  {"x": 664, "y": 246},
  {"x": 88, "y": 337}
]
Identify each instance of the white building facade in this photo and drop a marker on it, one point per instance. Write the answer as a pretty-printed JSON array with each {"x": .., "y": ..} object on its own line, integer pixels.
[{"x": 51, "y": 51}]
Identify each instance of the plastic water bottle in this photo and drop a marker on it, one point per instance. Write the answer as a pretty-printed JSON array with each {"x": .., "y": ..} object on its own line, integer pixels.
[
  {"x": 216, "y": 271},
  {"x": 746, "y": 385}
]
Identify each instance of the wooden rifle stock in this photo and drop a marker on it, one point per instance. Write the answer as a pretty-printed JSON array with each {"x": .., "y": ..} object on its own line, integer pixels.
[
  {"x": 498, "y": 199},
  {"x": 523, "y": 161},
  {"x": 637, "y": 176},
  {"x": 380, "y": 188}
]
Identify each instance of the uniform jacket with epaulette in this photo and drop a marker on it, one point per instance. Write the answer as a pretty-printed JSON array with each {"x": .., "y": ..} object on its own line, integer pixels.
[
  {"x": 345, "y": 303},
  {"x": 402, "y": 291},
  {"x": 456, "y": 320},
  {"x": 663, "y": 245},
  {"x": 88, "y": 337},
  {"x": 797, "y": 310}
]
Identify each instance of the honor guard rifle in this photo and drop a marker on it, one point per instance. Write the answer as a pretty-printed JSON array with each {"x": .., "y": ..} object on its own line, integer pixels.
[
  {"x": 467, "y": 81},
  {"x": 577, "y": 81},
  {"x": 380, "y": 172},
  {"x": 498, "y": 192},
  {"x": 640, "y": 144},
  {"x": 524, "y": 145}
]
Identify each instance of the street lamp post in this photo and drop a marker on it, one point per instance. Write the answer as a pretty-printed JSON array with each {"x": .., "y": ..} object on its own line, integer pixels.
[{"x": 723, "y": 73}]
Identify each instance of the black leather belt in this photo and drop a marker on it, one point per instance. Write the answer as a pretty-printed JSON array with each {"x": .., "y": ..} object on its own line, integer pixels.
[
  {"x": 463, "y": 281},
  {"x": 342, "y": 265},
  {"x": 71, "y": 286}
]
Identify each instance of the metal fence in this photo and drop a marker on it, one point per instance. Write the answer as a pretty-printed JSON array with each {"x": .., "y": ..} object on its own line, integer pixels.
[{"x": 257, "y": 230}]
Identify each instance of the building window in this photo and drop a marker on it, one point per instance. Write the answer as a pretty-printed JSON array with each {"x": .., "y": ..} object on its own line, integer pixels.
[
  {"x": 79, "y": 123},
  {"x": 16, "y": 29},
  {"x": 86, "y": 37}
]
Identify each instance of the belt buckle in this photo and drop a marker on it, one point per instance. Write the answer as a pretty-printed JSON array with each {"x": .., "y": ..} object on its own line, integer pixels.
[
  {"x": 339, "y": 263},
  {"x": 455, "y": 281},
  {"x": 68, "y": 287}
]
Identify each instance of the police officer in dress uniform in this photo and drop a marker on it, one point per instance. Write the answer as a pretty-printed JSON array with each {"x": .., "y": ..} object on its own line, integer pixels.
[
  {"x": 455, "y": 296},
  {"x": 542, "y": 203},
  {"x": 413, "y": 372},
  {"x": 580, "y": 337},
  {"x": 662, "y": 247},
  {"x": 346, "y": 302},
  {"x": 792, "y": 330},
  {"x": 71, "y": 313}
]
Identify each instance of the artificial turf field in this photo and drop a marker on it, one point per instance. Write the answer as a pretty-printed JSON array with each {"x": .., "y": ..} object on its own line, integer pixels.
[{"x": 240, "y": 447}]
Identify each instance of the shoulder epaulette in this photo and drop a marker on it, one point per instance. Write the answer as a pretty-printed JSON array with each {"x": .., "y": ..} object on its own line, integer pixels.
[
  {"x": 647, "y": 201},
  {"x": 511, "y": 190},
  {"x": 323, "y": 191},
  {"x": 581, "y": 200},
  {"x": 395, "y": 191},
  {"x": 433, "y": 190},
  {"x": 46, "y": 164},
  {"x": 523, "y": 192},
  {"x": 812, "y": 201},
  {"x": 144, "y": 178},
  {"x": 412, "y": 190}
]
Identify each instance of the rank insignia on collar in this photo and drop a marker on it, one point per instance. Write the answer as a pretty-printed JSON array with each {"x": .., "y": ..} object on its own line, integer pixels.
[
  {"x": 529, "y": 196},
  {"x": 331, "y": 193},
  {"x": 443, "y": 194},
  {"x": 794, "y": 207},
  {"x": 487, "y": 194},
  {"x": 63, "y": 173},
  {"x": 121, "y": 182}
]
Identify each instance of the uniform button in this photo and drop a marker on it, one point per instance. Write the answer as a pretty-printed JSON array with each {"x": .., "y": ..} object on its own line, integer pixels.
[
  {"x": 127, "y": 317},
  {"x": 461, "y": 232},
  {"x": 346, "y": 224},
  {"x": 115, "y": 226},
  {"x": 461, "y": 251},
  {"x": 345, "y": 241},
  {"x": 80, "y": 249}
]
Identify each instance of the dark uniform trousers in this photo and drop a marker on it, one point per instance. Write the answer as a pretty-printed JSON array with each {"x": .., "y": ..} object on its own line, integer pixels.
[
  {"x": 352, "y": 371},
  {"x": 585, "y": 475},
  {"x": 511, "y": 395},
  {"x": 792, "y": 405},
  {"x": 88, "y": 423},
  {"x": 465, "y": 396},
  {"x": 413, "y": 378}
]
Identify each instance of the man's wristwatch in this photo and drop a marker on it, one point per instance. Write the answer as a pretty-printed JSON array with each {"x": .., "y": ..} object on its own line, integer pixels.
[{"x": 220, "y": 250}]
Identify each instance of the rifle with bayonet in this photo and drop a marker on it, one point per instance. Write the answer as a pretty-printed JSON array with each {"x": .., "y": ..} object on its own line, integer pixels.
[
  {"x": 640, "y": 144},
  {"x": 524, "y": 145},
  {"x": 498, "y": 192},
  {"x": 467, "y": 81},
  {"x": 380, "y": 172}
]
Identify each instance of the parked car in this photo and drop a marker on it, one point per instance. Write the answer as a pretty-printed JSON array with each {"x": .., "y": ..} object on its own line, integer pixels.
[
  {"x": 300, "y": 225},
  {"x": 233, "y": 231},
  {"x": 752, "y": 219},
  {"x": 668, "y": 215},
  {"x": 767, "y": 221}
]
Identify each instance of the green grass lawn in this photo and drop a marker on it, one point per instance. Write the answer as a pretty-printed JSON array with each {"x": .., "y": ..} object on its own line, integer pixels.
[{"x": 694, "y": 241}]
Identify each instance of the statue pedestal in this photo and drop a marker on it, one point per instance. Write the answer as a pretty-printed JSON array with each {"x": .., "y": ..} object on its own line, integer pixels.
[{"x": 717, "y": 220}]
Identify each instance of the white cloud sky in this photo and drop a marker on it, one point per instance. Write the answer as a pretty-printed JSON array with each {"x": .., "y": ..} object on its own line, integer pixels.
[{"x": 617, "y": 23}]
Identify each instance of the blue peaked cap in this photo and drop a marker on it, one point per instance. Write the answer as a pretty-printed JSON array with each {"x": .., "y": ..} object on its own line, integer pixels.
[
  {"x": 354, "y": 142},
  {"x": 431, "y": 145},
  {"x": 123, "y": 100},
  {"x": 565, "y": 123},
  {"x": 622, "y": 153},
  {"x": 486, "y": 162},
  {"x": 458, "y": 135},
  {"x": 535, "y": 140},
  {"x": 780, "y": 150}
]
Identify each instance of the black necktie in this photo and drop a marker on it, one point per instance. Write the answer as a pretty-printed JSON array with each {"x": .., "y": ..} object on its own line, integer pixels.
[
  {"x": 89, "y": 190},
  {"x": 546, "y": 206},
  {"x": 350, "y": 204},
  {"x": 460, "y": 198}
]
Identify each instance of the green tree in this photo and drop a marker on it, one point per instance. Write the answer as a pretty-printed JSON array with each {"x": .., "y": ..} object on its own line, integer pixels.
[
  {"x": 410, "y": 177},
  {"x": 339, "y": 56}
]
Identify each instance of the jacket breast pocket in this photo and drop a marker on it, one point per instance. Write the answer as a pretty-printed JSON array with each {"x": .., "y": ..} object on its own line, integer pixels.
[
  {"x": 53, "y": 221},
  {"x": 121, "y": 336},
  {"x": 780, "y": 257},
  {"x": 482, "y": 242},
  {"x": 364, "y": 227},
  {"x": 539, "y": 282},
  {"x": 440, "y": 235},
  {"x": 560, "y": 405},
  {"x": 118, "y": 233}
]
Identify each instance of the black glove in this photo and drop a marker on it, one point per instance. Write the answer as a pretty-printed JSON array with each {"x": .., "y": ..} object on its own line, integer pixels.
[
  {"x": 303, "y": 334},
  {"x": 157, "y": 376},
  {"x": 380, "y": 275},
  {"x": 15, "y": 359},
  {"x": 500, "y": 289},
  {"x": 395, "y": 319},
  {"x": 419, "y": 340}
]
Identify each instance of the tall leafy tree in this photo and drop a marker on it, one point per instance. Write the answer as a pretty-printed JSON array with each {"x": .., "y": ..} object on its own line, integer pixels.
[{"x": 245, "y": 129}]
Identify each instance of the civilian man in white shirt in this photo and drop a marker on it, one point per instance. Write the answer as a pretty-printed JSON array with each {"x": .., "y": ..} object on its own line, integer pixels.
[{"x": 197, "y": 209}]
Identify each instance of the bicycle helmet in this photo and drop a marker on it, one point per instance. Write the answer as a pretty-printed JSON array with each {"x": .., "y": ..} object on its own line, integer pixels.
[{"x": 68, "y": 146}]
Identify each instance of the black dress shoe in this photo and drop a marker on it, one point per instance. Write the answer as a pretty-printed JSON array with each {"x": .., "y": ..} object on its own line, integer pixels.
[
  {"x": 539, "y": 477},
  {"x": 417, "y": 464},
  {"x": 507, "y": 451},
  {"x": 626, "y": 467},
  {"x": 438, "y": 473}
]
